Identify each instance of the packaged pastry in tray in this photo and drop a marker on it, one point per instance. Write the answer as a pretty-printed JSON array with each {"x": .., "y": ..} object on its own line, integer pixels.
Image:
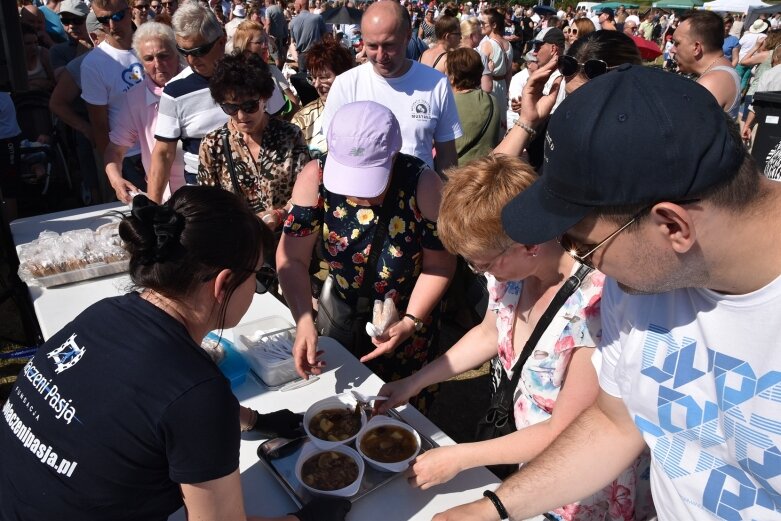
[{"x": 54, "y": 259}]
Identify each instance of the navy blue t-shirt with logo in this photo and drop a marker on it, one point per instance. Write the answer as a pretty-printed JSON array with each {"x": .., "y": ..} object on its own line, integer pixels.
[{"x": 110, "y": 415}]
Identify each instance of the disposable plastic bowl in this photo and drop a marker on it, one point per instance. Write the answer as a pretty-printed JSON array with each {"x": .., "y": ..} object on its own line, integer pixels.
[
  {"x": 309, "y": 450},
  {"x": 397, "y": 466},
  {"x": 340, "y": 401}
]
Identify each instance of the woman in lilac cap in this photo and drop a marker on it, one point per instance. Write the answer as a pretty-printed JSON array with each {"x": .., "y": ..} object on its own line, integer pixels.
[{"x": 339, "y": 198}]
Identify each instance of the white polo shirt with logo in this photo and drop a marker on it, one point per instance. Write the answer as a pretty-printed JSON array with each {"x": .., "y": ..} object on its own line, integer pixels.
[{"x": 421, "y": 100}]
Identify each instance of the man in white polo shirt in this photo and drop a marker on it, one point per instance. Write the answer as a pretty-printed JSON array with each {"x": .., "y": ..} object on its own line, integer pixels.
[{"x": 419, "y": 96}]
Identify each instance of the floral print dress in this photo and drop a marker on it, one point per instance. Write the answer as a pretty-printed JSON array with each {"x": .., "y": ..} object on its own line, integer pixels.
[
  {"x": 348, "y": 229},
  {"x": 577, "y": 324}
]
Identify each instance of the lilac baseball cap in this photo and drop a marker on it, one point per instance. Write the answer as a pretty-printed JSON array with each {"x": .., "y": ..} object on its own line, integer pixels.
[{"x": 363, "y": 139}]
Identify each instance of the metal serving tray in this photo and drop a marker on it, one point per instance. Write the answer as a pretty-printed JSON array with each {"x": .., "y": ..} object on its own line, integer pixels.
[{"x": 283, "y": 470}]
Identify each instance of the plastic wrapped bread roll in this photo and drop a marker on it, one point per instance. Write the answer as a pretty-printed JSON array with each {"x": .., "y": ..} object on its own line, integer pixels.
[{"x": 384, "y": 315}]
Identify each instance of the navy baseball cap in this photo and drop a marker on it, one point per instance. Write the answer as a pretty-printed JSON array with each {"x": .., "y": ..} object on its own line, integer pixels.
[
  {"x": 636, "y": 135},
  {"x": 608, "y": 11}
]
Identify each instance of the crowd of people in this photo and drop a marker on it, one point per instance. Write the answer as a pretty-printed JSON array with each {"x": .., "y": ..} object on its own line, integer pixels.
[{"x": 591, "y": 171}]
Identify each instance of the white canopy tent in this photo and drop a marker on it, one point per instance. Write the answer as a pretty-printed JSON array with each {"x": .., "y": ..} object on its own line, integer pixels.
[
  {"x": 733, "y": 6},
  {"x": 755, "y": 11}
]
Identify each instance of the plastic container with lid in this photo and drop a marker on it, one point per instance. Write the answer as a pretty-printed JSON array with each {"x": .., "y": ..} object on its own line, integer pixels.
[
  {"x": 230, "y": 362},
  {"x": 267, "y": 346}
]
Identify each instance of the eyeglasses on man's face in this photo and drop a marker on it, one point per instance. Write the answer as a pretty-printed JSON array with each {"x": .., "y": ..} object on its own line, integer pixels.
[
  {"x": 113, "y": 17},
  {"x": 583, "y": 252},
  {"x": 72, "y": 20},
  {"x": 198, "y": 52}
]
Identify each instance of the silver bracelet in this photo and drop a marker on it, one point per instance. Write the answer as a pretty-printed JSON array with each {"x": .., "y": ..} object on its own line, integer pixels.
[
  {"x": 252, "y": 421},
  {"x": 532, "y": 133}
]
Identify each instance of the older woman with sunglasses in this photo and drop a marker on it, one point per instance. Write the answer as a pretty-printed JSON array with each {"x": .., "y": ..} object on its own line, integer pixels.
[
  {"x": 557, "y": 379},
  {"x": 253, "y": 154},
  {"x": 590, "y": 56}
]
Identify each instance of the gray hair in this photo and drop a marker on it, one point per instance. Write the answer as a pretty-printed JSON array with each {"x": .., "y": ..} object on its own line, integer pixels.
[
  {"x": 150, "y": 30},
  {"x": 193, "y": 19}
]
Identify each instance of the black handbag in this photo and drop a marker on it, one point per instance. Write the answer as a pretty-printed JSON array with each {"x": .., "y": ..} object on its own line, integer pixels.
[
  {"x": 498, "y": 420},
  {"x": 335, "y": 317}
]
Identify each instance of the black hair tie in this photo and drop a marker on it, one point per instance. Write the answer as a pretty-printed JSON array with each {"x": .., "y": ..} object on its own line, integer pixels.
[{"x": 165, "y": 223}]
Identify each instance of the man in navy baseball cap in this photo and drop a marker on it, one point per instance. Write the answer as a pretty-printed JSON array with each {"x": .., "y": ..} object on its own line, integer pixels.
[{"x": 646, "y": 179}]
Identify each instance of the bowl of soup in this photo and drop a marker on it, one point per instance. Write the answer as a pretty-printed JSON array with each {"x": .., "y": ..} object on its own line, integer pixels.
[
  {"x": 333, "y": 421},
  {"x": 337, "y": 471},
  {"x": 387, "y": 444}
]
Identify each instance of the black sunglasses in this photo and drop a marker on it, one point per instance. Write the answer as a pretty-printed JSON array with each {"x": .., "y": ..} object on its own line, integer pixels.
[
  {"x": 114, "y": 17},
  {"x": 72, "y": 20},
  {"x": 247, "y": 107},
  {"x": 265, "y": 278},
  {"x": 197, "y": 52},
  {"x": 569, "y": 66}
]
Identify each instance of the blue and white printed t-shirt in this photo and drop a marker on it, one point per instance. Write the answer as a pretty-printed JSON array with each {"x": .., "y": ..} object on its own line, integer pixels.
[
  {"x": 700, "y": 373},
  {"x": 107, "y": 74},
  {"x": 421, "y": 99}
]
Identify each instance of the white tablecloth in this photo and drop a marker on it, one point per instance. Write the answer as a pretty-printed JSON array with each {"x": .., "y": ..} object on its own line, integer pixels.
[{"x": 397, "y": 500}]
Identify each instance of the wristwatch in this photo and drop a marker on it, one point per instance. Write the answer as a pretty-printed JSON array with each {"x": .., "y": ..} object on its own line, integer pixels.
[{"x": 415, "y": 320}]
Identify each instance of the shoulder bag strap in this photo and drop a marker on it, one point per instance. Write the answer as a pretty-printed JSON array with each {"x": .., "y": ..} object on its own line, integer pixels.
[
  {"x": 365, "y": 302},
  {"x": 566, "y": 290},
  {"x": 483, "y": 130},
  {"x": 226, "y": 149}
]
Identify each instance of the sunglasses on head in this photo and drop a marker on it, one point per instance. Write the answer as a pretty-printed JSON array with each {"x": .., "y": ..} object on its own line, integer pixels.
[
  {"x": 569, "y": 66},
  {"x": 265, "y": 278},
  {"x": 114, "y": 17},
  {"x": 247, "y": 107},
  {"x": 197, "y": 52}
]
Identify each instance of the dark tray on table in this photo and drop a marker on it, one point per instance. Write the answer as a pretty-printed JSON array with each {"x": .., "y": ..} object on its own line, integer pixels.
[{"x": 283, "y": 470}]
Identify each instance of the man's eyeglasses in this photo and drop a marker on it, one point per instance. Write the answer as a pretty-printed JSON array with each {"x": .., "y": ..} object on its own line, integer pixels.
[
  {"x": 247, "y": 107},
  {"x": 583, "y": 252},
  {"x": 155, "y": 7},
  {"x": 485, "y": 268},
  {"x": 197, "y": 52},
  {"x": 265, "y": 278},
  {"x": 569, "y": 66},
  {"x": 114, "y": 17},
  {"x": 72, "y": 20}
]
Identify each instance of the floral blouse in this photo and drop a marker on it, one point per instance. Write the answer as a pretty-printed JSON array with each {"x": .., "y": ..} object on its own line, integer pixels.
[
  {"x": 348, "y": 230},
  {"x": 266, "y": 181},
  {"x": 576, "y": 325}
]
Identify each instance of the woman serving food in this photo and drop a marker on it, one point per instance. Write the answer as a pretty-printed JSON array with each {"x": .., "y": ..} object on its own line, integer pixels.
[{"x": 122, "y": 414}]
